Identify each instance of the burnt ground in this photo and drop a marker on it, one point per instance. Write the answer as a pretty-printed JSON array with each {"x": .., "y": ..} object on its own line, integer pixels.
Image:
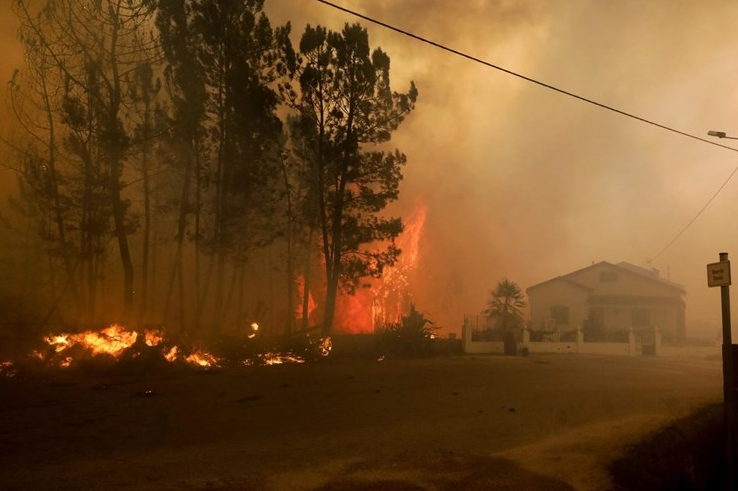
[{"x": 446, "y": 423}]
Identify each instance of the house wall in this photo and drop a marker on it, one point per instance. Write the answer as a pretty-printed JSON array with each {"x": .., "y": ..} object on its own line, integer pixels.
[
  {"x": 669, "y": 319},
  {"x": 471, "y": 347},
  {"x": 616, "y": 296},
  {"x": 542, "y": 298}
]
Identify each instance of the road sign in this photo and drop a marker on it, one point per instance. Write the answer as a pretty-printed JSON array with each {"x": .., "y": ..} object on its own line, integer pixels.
[{"x": 718, "y": 274}]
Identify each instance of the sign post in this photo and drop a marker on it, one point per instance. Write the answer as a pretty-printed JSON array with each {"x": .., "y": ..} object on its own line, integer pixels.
[{"x": 718, "y": 274}]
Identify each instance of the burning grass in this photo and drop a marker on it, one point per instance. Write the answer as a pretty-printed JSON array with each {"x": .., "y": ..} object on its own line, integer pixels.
[{"x": 120, "y": 349}]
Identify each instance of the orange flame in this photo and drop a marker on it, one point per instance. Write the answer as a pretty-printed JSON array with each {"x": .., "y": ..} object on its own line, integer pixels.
[
  {"x": 389, "y": 297},
  {"x": 153, "y": 338},
  {"x": 115, "y": 339},
  {"x": 392, "y": 295},
  {"x": 279, "y": 359},
  {"x": 203, "y": 359},
  {"x": 311, "y": 305},
  {"x": 112, "y": 340}
]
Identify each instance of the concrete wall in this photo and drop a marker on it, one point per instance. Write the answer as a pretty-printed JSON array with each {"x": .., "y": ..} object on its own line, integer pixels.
[
  {"x": 631, "y": 348},
  {"x": 551, "y": 347},
  {"x": 484, "y": 347},
  {"x": 478, "y": 347},
  {"x": 579, "y": 346}
]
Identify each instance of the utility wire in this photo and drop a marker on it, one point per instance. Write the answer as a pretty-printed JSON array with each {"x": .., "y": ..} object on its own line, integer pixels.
[
  {"x": 695, "y": 217},
  {"x": 561, "y": 91},
  {"x": 528, "y": 79}
]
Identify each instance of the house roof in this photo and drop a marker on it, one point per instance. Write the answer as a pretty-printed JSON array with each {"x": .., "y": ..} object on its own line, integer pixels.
[
  {"x": 643, "y": 273},
  {"x": 651, "y": 274},
  {"x": 560, "y": 279}
]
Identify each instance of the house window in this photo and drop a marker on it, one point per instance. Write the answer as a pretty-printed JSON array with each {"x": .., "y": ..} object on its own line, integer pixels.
[
  {"x": 641, "y": 317},
  {"x": 608, "y": 276},
  {"x": 560, "y": 313}
]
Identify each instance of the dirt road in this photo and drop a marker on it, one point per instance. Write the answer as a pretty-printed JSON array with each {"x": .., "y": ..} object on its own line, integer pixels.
[{"x": 473, "y": 423}]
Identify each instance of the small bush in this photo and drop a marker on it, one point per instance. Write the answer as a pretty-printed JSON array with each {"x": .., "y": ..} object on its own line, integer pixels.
[{"x": 412, "y": 336}]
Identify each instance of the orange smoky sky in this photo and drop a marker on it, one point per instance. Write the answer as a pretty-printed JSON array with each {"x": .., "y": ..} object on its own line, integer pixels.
[
  {"x": 10, "y": 59},
  {"x": 12, "y": 54},
  {"x": 527, "y": 184}
]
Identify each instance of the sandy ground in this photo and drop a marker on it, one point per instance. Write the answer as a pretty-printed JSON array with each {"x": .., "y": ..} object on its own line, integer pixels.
[{"x": 548, "y": 422}]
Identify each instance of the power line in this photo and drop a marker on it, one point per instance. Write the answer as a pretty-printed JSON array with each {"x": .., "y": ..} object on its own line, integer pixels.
[
  {"x": 561, "y": 91},
  {"x": 523, "y": 77},
  {"x": 695, "y": 217}
]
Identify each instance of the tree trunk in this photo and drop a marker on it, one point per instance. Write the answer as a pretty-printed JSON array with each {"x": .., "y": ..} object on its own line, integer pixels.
[
  {"x": 143, "y": 304},
  {"x": 306, "y": 282},
  {"x": 290, "y": 267},
  {"x": 114, "y": 153},
  {"x": 177, "y": 266}
]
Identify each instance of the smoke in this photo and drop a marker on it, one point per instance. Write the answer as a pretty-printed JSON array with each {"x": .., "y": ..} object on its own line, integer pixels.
[{"x": 528, "y": 184}]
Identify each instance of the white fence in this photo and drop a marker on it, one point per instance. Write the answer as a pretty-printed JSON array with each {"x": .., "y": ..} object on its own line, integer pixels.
[{"x": 479, "y": 337}]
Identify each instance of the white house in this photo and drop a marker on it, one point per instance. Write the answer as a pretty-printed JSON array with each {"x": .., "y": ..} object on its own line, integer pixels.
[{"x": 607, "y": 297}]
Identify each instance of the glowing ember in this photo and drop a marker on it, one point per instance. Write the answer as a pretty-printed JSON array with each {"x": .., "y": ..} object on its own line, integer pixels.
[
  {"x": 325, "y": 346},
  {"x": 202, "y": 359},
  {"x": 172, "y": 354},
  {"x": 60, "y": 343},
  {"x": 7, "y": 369},
  {"x": 279, "y": 359},
  {"x": 198, "y": 358},
  {"x": 153, "y": 338},
  {"x": 254, "y": 330}
]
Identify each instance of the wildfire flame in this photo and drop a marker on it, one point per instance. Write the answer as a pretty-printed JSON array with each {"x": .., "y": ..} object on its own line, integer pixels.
[
  {"x": 112, "y": 341},
  {"x": 202, "y": 359},
  {"x": 153, "y": 338},
  {"x": 254, "y": 330},
  {"x": 392, "y": 295},
  {"x": 115, "y": 340},
  {"x": 311, "y": 305},
  {"x": 325, "y": 346}
]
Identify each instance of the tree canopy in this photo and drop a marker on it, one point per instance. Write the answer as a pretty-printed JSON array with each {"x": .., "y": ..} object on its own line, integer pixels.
[
  {"x": 505, "y": 305},
  {"x": 346, "y": 110},
  {"x": 190, "y": 141}
]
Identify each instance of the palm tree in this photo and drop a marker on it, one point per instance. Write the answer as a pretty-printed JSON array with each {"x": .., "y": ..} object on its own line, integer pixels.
[{"x": 505, "y": 304}]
